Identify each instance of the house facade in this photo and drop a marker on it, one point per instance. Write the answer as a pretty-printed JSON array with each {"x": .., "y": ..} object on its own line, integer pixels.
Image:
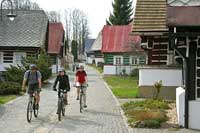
[
  {"x": 25, "y": 36},
  {"x": 88, "y": 53},
  {"x": 184, "y": 35},
  {"x": 170, "y": 33},
  {"x": 56, "y": 46},
  {"x": 150, "y": 24},
  {"x": 122, "y": 52},
  {"x": 97, "y": 55}
]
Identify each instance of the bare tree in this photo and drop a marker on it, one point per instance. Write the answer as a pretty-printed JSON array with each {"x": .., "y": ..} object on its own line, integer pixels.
[
  {"x": 77, "y": 27},
  {"x": 25, "y": 5},
  {"x": 54, "y": 16}
]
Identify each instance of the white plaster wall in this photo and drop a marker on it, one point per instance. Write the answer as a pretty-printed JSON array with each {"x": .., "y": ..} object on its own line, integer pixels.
[
  {"x": 127, "y": 68},
  {"x": 194, "y": 117},
  {"x": 89, "y": 60},
  {"x": 109, "y": 70},
  {"x": 98, "y": 60},
  {"x": 180, "y": 105},
  {"x": 169, "y": 77},
  {"x": 56, "y": 67}
]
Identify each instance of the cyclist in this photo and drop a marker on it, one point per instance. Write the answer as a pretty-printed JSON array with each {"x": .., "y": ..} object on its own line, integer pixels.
[
  {"x": 64, "y": 84},
  {"x": 33, "y": 77},
  {"x": 81, "y": 78}
]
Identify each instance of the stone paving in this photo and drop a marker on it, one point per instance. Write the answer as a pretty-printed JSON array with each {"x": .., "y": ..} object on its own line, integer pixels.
[{"x": 103, "y": 114}]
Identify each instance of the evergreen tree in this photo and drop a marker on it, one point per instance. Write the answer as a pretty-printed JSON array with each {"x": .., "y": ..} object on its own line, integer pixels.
[
  {"x": 75, "y": 50},
  {"x": 122, "y": 12}
]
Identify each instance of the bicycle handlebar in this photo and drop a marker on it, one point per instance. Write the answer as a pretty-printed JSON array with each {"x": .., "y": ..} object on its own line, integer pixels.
[{"x": 62, "y": 91}]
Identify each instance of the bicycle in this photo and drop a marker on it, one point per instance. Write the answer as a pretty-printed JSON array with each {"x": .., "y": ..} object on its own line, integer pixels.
[
  {"x": 61, "y": 105},
  {"x": 31, "y": 107},
  {"x": 82, "y": 95}
]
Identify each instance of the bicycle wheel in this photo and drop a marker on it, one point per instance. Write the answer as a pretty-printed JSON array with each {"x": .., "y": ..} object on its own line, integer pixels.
[
  {"x": 59, "y": 109},
  {"x": 81, "y": 102},
  {"x": 34, "y": 109},
  {"x": 29, "y": 111}
]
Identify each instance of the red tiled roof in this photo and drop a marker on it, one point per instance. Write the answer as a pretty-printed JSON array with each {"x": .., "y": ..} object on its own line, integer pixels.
[
  {"x": 56, "y": 32},
  {"x": 183, "y": 15},
  {"x": 118, "y": 39}
]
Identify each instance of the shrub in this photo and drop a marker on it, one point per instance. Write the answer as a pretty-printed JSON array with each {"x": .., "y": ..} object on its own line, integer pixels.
[
  {"x": 14, "y": 74},
  {"x": 152, "y": 123},
  {"x": 43, "y": 65},
  {"x": 158, "y": 86},
  {"x": 7, "y": 88},
  {"x": 135, "y": 73}
]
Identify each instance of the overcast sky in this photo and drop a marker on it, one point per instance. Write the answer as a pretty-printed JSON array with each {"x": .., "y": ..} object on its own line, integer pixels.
[{"x": 97, "y": 10}]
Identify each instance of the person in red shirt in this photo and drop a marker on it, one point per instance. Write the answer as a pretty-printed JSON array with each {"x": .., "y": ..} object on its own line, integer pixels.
[{"x": 81, "y": 79}]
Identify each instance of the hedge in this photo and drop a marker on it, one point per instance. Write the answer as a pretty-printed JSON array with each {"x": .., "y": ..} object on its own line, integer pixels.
[{"x": 7, "y": 88}]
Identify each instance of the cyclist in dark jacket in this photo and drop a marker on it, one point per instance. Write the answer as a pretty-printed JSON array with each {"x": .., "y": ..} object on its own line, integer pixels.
[{"x": 64, "y": 84}]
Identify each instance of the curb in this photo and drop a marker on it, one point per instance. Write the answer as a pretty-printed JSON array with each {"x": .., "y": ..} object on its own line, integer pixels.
[{"x": 118, "y": 104}]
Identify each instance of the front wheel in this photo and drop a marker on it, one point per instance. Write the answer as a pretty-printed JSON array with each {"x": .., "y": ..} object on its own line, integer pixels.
[
  {"x": 29, "y": 111},
  {"x": 81, "y": 103}
]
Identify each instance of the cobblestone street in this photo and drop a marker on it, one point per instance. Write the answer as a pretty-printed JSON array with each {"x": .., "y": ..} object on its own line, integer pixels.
[{"x": 102, "y": 115}]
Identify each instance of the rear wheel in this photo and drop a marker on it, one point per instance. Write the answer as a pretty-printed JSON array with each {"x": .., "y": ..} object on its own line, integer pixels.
[
  {"x": 29, "y": 111},
  {"x": 59, "y": 109},
  {"x": 35, "y": 110}
]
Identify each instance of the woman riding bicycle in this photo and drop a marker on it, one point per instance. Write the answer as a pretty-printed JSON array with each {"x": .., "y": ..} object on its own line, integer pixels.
[
  {"x": 81, "y": 79},
  {"x": 64, "y": 84}
]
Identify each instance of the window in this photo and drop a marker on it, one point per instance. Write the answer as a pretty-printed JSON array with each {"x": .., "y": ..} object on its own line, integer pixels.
[
  {"x": 7, "y": 57},
  {"x": 134, "y": 60},
  {"x": 118, "y": 60},
  {"x": 142, "y": 60},
  {"x": 18, "y": 57},
  {"x": 53, "y": 60}
]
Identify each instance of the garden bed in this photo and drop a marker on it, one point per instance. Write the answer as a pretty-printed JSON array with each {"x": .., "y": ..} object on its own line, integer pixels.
[{"x": 146, "y": 114}]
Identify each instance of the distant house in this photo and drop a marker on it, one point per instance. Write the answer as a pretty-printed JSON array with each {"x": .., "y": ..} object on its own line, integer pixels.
[
  {"x": 88, "y": 53},
  {"x": 25, "y": 36},
  {"x": 97, "y": 56},
  {"x": 56, "y": 45},
  {"x": 121, "y": 50}
]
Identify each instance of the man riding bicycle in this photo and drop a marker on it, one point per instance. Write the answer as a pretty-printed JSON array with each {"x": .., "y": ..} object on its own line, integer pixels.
[
  {"x": 64, "y": 84},
  {"x": 81, "y": 79},
  {"x": 33, "y": 77}
]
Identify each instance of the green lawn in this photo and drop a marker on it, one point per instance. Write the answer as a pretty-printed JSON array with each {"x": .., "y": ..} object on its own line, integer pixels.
[
  {"x": 123, "y": 87},
  {"x": 99, "y": 69},
  {"x": 5, "y": 99}
]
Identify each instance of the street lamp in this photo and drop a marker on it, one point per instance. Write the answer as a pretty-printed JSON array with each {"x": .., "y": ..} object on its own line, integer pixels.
[{"x": 11, "y": 15}]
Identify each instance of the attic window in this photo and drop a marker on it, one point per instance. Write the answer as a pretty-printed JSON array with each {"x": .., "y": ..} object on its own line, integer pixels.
[{"x": 7, "y": 57}]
